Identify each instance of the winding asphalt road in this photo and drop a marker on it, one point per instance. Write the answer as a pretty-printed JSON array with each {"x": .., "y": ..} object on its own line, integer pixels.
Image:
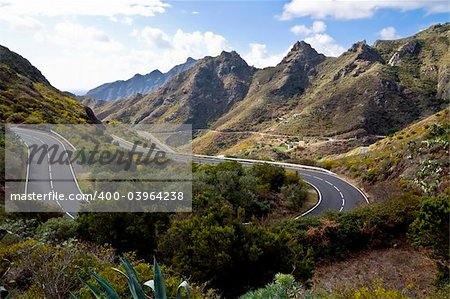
[
  {"x": 335, "y": 194},
  {"x": 46, "y": 177}
]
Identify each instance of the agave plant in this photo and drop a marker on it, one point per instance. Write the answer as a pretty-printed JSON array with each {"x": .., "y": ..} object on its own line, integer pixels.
[{"x": 105, "y": 290}]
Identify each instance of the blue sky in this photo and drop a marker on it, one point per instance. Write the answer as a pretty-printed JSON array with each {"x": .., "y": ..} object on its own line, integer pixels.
[{"x": 79, "y": 44}]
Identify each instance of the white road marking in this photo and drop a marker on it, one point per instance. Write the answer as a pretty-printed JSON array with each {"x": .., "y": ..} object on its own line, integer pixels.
[
  {"x": 329, "y": 183},
  {"x": 316, "y": 177},
  {"x": 315, "y": 206},
  {"x": 336, "y": 188},
  {"x": 50, "y": 170},
  {"x": 28, "y": 168}
]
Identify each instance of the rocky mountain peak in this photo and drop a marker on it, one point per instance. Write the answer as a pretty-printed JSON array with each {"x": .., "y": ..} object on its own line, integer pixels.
[
  {"x": 227, "y": 63},
  {"x": 365, "y": 52},
  {"x": 300, "y": 45},
  {"x": 232, "y": 56},
  {"x": 155, "y": 73},
  {"x": 190, "y": 60},
  {"x": 302, "y": 52}
]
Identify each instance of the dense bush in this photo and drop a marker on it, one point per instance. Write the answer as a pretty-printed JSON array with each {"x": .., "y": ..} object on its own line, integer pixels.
[
  {"x": 124, "y": 231},
  {"x": 57, "y": 230},
  {"x": 337, "y": 234},
  {"x": 245, "y": 254},
  {"x": 431, "y": 230}
]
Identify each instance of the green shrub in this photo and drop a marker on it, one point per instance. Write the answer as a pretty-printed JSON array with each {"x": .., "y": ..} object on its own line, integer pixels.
[
  {"x": 57, "y": 230},
  {"x": 295, "y": 194},
  {"x": 272, "y": 175},
  {"x": 283, "y": 287},
  {"x": 431, "y": 228}
]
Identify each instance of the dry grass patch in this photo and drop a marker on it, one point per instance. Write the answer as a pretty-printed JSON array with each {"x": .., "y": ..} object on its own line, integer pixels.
[{"x": 402, "y": 269}]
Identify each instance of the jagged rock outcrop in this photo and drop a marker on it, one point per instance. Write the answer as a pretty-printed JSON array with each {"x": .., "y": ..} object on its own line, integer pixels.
[
  {"x": 412, "y": 48},
  {"x": 363, "y": 56},
  {"x": 297, "y": 67}
]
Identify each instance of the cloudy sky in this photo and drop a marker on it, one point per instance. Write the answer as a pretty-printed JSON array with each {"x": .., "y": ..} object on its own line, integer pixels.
[{"x": 79, "y": 44}]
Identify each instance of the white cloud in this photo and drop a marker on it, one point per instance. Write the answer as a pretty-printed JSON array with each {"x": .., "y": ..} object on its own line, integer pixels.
[
  {"x": 84, "y": 57},
  {"x": 388, "y": 33},
  {"x": 325, "y": 44},
  {"x": 317, "y": 27},
  {"x": 318, "y": 39},
  {"x": 199, "y": 43},
  {"x": 154, "y": 37},
  {"x": 21, "y": 22},
  {"x": 110, "y": 8},
  {"x": 355, "y": 9},
  {"x": 259, "y": 57},
  {"x": 124, "y": 20},
  {"x": 195, "y": 12},
  {"x": 68, "y": 35},
  {"x": 196, "y": 44}
]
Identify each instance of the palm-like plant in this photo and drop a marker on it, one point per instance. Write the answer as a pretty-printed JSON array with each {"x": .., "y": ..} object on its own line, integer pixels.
[{"x": 105, "y": 290}]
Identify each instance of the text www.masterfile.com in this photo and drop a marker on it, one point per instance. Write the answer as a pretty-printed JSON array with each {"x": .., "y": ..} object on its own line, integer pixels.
[{"x": 102, "y": 196}]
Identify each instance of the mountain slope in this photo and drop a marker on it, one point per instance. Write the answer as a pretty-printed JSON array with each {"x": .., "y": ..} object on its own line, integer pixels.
[
  {"x": 367, "y": 91},
  {"x": 27, "y": 97},
  {"x": 198, "y": 96},
  {"x": 139, "y": 84},
  {"x": 356, "y": 94},
  {"x": 368, "y": 95},
  {"x": 415, "y": 158}
]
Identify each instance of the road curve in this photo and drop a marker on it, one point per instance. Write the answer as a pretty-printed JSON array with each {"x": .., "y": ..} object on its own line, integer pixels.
[
  {"x": 46, "y": 177},
  {"x": 335, "y": 194}
]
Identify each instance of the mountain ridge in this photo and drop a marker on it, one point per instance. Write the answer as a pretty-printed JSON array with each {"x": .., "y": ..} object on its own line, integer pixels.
[
  {"x": 138, "y": 84},
  {"x": 358, "y": 93}
]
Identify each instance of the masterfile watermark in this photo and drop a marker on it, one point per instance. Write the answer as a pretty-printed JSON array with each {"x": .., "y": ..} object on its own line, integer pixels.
[
  {"x": 55, "y": 155},
  {"x": 98, "y": 168}
]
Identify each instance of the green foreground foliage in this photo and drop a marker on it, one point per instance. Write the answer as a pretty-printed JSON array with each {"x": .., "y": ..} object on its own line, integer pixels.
[
  {"x": 224, "y": 244},
  {"x": 105, "y": 290}
]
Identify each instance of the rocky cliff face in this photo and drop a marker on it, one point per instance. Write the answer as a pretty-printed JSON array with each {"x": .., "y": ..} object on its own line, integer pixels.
[
  {"x": 138, "y": 84},
  {"x": 298, "y": 67}
]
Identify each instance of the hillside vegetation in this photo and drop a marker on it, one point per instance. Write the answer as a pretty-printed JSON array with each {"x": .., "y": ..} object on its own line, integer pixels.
[
  {"x": 415, "y": 158},
  {"x": 27, "y": 97},
  {"x": 367, "y": 91}
]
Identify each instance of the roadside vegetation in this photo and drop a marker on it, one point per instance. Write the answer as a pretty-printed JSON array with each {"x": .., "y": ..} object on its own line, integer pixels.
[
  {"x": 413, "y": 159},
  {"x": 224, "y": 240}
]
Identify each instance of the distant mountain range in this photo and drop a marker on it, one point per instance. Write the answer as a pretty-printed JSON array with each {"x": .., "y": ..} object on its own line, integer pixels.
[
  {"x": 139, "y": 84},
  {"x": 368, "y": 90}
]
